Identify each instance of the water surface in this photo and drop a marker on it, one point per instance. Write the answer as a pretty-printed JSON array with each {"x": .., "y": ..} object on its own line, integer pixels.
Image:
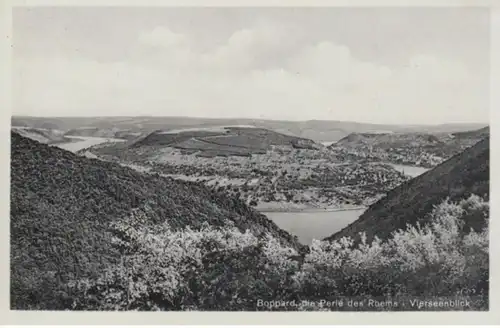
[
  {"x": 80, "y": 143},
  {"x": 314, "y": 225},
  {"x": 413, "y": 171}
]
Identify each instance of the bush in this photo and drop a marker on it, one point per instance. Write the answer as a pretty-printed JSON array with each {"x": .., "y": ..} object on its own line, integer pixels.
[
  {"x": 165, "y": 270},
  {"x": 226, "y": 269},
  {"x": 439, "y": 259}
]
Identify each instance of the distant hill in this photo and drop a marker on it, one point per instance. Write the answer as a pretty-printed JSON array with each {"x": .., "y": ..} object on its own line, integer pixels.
[
  {"x": 223, "y": 141},
  {"x": 450, "y": 128},
  {"x": 92, "y": 132},
  {"x": 394, "y": 140},
  {"x": 62, "y": 206},
  {"x": 464, "y": 174},
  {"x": 419, "y": 149},
  {"x": 18, "y": 122},
  {"x": 475, "y": 134},
  {"x": 127, "y": 134},
  {"x": 47, "y": 136},
  {"x": 391, "y": 140},
  {"x": 317, "y": 130}
]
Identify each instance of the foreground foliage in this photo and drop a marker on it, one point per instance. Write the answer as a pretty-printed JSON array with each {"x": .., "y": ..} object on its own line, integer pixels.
[
  {"x": 61, "y": 207},
  {"x": 87, "y": 234},
  {"x": 225, "y": 269}
]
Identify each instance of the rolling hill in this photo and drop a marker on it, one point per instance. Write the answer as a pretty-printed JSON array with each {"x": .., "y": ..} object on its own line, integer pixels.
[
  {"x": 419, "y": 149},
  {"x": 462, "y": 175},
  {"x": 62, "y": 206},
  {"x": 264, "y": 168},
  {"x": 390, "y": 140},
  {"x": 317, "y": 130},
  {"x": 92, "y": 132},
  {"x": 223, "y": 141},
  {"x": 475, "y": 134},
  {"x": 43, "y": 135},
  {"x": 394, "y": 140}
]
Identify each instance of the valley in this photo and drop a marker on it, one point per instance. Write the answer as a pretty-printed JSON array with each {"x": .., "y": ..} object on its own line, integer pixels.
[
  {"x": 275, "y": 172},
  {"x": 162, "y": 243},
  {"x": 308, "y": 188},
  {"x": 288, "y": 178}
]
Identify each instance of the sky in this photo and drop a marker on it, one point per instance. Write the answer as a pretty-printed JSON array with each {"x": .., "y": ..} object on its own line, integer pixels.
[{"x": 376, "y": 65}]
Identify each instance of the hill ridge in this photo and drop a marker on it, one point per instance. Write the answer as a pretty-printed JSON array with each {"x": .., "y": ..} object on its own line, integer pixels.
[
  {"x": 62, "y": 206},
  {"x": 458, "y": 177}
]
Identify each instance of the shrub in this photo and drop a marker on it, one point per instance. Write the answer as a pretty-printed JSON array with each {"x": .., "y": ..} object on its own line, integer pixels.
[
  {"x": 164, "y": 270},
  {"x": 436, "y": 260},
  {"x": 226, "y": 269}
]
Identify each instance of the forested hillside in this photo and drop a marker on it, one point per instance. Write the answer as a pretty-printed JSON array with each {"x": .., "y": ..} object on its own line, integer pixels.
[{"x": 62, "y": 206}]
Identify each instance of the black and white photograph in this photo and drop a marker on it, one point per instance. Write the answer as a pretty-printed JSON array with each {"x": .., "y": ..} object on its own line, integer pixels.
[{"x": 261, "y": 159}]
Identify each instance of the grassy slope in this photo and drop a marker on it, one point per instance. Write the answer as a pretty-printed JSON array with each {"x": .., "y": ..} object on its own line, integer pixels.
[
  {"x": 234, "y": 140},
  {"x": 62, "y": 204},
  {"x": 464, "y": 174}
]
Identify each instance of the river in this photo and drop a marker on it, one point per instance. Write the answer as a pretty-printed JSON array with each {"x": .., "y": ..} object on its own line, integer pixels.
[
  {"x": 84, "y": 142},
  {"x": 305, "y": 225},
  {"x": 413, "y": 171},
  {"x": 320, "y": 224},
  {"x": 315, "y": 224}
]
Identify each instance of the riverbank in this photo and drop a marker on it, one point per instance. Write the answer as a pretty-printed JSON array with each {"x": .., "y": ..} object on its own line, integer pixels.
[
  {"x": 282, "y": 207},
  {"x": 412, "y": 171}
]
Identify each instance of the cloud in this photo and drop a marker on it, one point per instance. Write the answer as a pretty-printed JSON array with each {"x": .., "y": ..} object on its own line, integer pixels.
[
  {"x": 250, "y": 48},
  {"x": 257, "y": 72},
  {"x": 162, "y": 37}
]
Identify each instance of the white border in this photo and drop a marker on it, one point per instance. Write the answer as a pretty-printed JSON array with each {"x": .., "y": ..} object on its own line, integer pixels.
[{"x": 242, "y": 318}]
